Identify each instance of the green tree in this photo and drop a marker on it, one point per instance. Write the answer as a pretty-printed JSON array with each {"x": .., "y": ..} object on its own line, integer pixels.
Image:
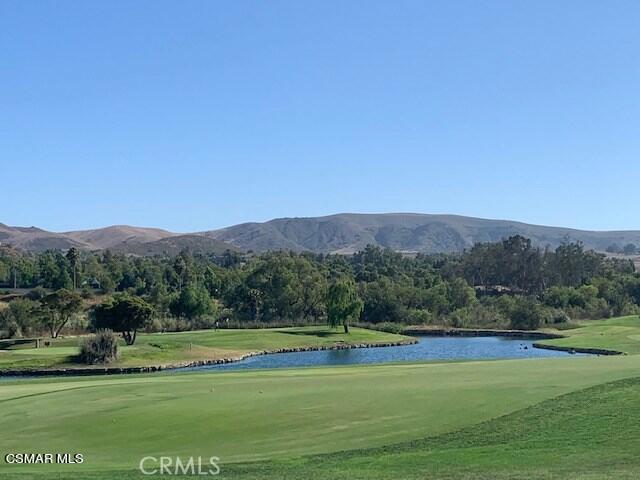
[
  {"x": 527, "y": 314},
  {"x": 460, "y": 294},
  {"x": 54, "y": 270},
  {"x": 24, "y": 313},
  {"x": 125, "y": 314},
  {"x": 381, "y": 302},
  {"x": 192, "y": 302},
  {"x": 18, "y": 318},
  {"x": 73, "y": 255},
  {"x": 343, "y": 303},
  {"x": 57, "y": 308}
]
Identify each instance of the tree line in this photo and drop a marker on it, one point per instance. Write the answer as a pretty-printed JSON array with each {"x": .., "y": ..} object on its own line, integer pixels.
[{"x": 505, "y": 284}]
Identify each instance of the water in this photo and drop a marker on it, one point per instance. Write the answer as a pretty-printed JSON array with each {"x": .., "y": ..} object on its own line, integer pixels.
[{"x": 427, "y": 348}]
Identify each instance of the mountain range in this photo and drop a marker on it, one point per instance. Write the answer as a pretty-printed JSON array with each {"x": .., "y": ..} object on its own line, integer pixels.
[{"x": 341, "y": 233}]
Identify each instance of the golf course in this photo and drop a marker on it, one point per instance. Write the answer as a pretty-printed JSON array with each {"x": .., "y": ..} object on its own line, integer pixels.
[
  {"x": 572, "y": 417},
  {"x": 162, "y": 349}
]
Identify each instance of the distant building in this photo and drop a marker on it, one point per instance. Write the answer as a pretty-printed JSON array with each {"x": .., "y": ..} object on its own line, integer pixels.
[{"x": 92, "y": 283}]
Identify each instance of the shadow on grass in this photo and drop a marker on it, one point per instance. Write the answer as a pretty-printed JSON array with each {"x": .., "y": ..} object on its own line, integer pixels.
[{"x": 321, "y": 333}]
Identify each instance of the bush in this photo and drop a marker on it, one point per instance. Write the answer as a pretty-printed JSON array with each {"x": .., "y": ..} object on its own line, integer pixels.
[
  {"x": 527, "y": 315},
  {"x": 557, "y": 317},
  {"x": 37, "y": 293},
  {"x": 18, "y": 318},
  {"x": 101, "y": 348},
  {"x": 387, "y": 327},
  {"x": 459, "y": 318},
  {"x": 9, "y": 328},
  {"x": 487, "y": 315},
  {"x": 419, "y": 317}
]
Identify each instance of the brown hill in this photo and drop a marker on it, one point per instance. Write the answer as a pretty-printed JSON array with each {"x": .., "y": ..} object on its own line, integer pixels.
[
  {"x": 119, "y": 238},
  {"x": 175, "y": 244},
  {"x": 341, "y": 233},
  {"x": 406, "y": 232},
  {"x": 36, "y": 239},
  {"x": 109, "y": 237}
]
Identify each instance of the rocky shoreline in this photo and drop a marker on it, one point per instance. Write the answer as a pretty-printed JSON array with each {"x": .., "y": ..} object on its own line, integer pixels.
[
  {"x": 592, "y": 351},
  {"x": 81, "y": 371},
  {"x": 479, "y": 332}
]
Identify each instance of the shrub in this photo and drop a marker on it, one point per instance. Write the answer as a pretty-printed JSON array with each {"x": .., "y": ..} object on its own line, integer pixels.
[
  {"x": 527, "y": 315},
  {"x": 419, "y": 317},
  {"x": 101, "y": 348},
  {"x": 558, "y": 316},
  {"x": 9, "y": 328},
  {"x": 18, "y": 318},
  {"x": 487, "y": 315},
  {"x": 459, "y": 318},
  {"x": 387, "y": 327},
  {"x": 37, "y": 293}
]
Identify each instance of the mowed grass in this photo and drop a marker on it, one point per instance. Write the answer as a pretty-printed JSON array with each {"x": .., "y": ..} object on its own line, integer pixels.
[
  {"x": 588, "y": 434},
  {"x": 620, "y": 334},
  {"x": 277, "y": 415},
  {"x": 505, "y": 419},
  {"x": 175, "y": 348}
]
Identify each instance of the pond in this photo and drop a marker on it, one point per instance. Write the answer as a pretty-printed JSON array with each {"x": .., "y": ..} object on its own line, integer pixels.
[{"x": 427, "y": 348}]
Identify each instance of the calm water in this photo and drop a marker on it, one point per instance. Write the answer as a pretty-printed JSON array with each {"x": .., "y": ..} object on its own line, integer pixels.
[{"x": 427, "y": 348}]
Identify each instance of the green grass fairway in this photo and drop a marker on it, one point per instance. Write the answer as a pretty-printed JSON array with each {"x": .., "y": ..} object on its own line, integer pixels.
[
  {"x": 278, "y": 414},
  {"x": 171, "y": 348},
  {"x": 590, "y": 434},
  {"x": 504, "y": 419},
  {"x": 621, "y": 334},
  {"x": 587, "y": 434}
]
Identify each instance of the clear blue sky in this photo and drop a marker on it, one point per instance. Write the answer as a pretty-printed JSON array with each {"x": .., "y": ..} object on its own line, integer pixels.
[{"x": 192, "y": 115}]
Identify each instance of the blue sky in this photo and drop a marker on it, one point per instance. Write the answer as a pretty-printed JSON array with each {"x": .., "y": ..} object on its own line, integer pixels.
[{"x": 199, "y": 114}]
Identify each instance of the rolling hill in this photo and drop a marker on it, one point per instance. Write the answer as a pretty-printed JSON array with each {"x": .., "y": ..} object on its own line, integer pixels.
[
  {"x": 342, "y": 233},
  {"x": 109, "y": 237},
  {"x": 118, "y": 238},
  {"x": 406, "y": 232},
  {"x": 36, "y": 239},
  {"x": 174, "y": 244}
]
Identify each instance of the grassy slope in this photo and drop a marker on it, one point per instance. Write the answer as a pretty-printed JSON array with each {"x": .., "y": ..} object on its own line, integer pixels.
[
  {"x": 167, "y": 348},
  {"x": 244, "y": 416},
  {"x": 284, "y": 414},
  {"x": 621, "y": 334},
  {"x": 587, "y": 434}
]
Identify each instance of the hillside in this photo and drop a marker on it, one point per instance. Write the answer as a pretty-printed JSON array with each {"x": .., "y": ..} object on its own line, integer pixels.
[
  {"x": 119, "y": 238},
  {"x": 174, "y": 245},
  {"x": 407, "y": 232},
  {"x": 342, "y": 233},
  {"x": 109, "y": 237},
  {"x": 36, "y": 239}
]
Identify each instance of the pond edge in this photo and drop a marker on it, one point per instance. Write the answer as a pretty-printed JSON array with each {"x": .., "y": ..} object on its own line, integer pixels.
[
  {"x": 83, "y": 371},
  {"x": 488, "y": 332}
]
